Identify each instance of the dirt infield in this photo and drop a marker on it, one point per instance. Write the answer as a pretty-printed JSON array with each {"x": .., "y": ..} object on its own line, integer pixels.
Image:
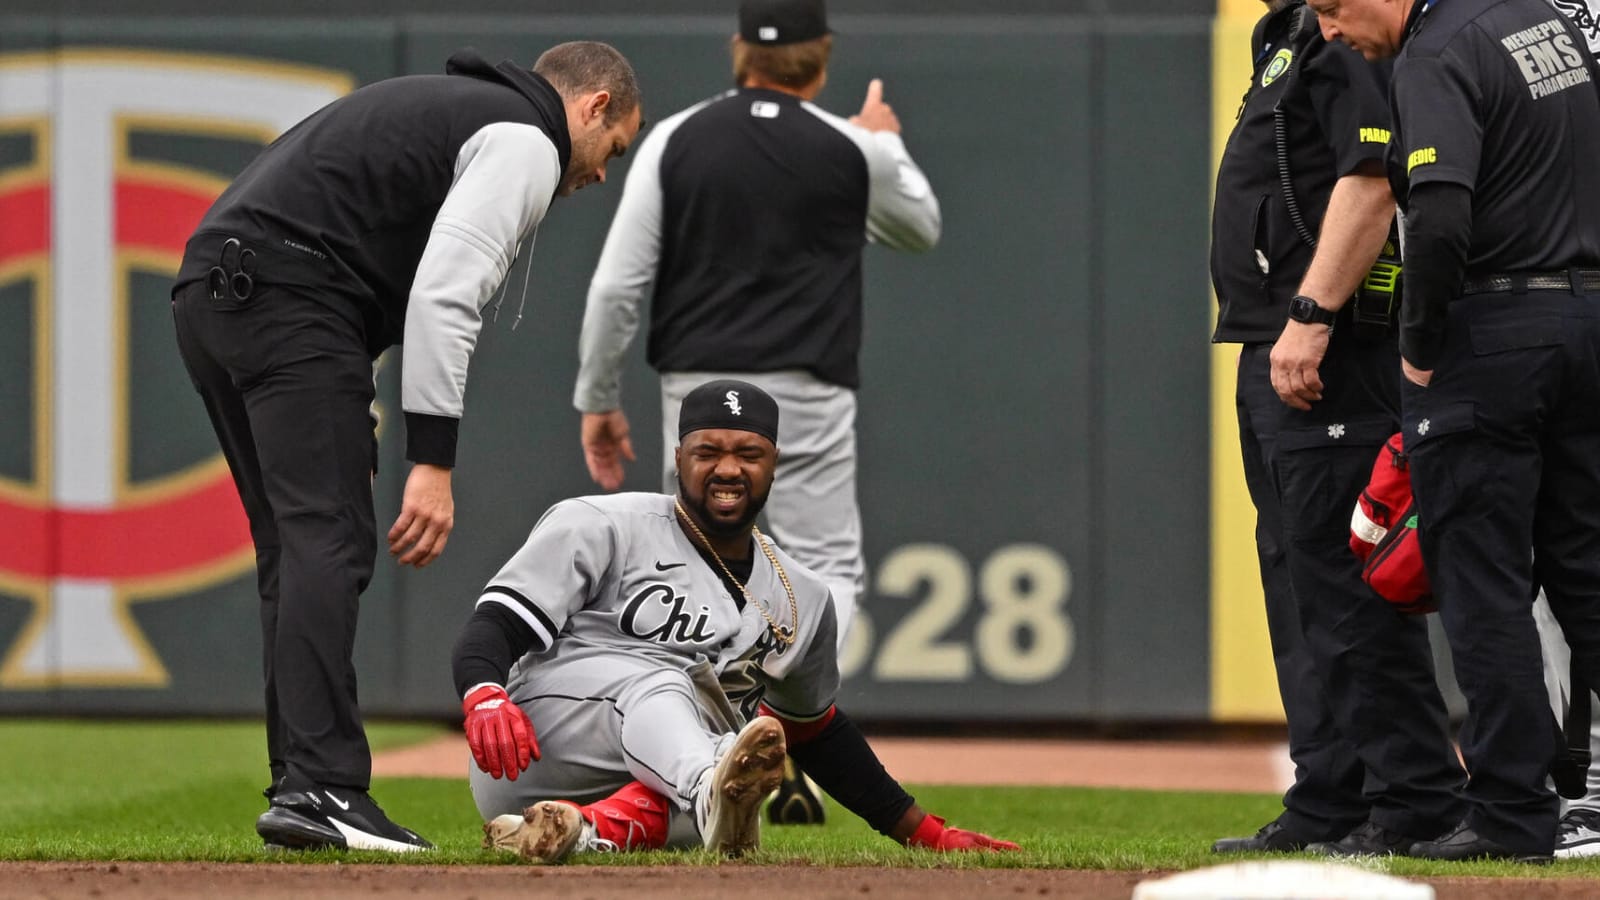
[
  {"x": 728, "y": 882},
  {"x": 211, "y": 881}
]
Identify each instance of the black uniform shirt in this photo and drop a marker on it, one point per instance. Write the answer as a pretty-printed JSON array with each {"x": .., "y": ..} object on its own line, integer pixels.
[
  {"x": 1496, "y": 96},
  {"x": 1335, "y": 119}
]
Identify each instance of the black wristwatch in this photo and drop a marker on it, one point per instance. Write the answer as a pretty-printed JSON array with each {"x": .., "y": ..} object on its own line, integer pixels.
[{"x": 1305, "y": 309}]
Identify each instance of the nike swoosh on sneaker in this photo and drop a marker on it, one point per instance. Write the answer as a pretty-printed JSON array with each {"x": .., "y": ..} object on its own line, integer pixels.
[
  {"x": 342, "y": 804},
  {"x": 357, "y": 839},
  {"x": 662, "y": 567}
]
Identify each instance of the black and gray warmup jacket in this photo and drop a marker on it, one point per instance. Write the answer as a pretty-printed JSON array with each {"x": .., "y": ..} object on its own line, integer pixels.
[
  {"x": 743, "y": 219},
  {"x": 404, "y": 203}
]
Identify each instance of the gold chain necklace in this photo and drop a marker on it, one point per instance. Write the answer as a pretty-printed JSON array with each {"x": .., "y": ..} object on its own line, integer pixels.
[{"x": 784, "y": 635}]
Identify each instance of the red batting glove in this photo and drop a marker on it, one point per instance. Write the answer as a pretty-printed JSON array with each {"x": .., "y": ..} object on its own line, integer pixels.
[
  {"x": 498, "y": 731},
  {"x": 934, "y": 836}
]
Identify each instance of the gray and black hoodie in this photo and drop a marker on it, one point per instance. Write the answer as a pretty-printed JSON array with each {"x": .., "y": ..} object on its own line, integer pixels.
[{"x": 404, "y": 203}]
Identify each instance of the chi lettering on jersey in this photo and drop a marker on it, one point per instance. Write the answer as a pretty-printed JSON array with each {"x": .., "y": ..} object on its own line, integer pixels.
[{"x": 657, "y": 613}]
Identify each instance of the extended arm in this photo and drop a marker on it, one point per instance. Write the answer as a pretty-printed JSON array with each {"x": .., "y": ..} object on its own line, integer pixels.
[
  {"x": 833, "y": 751},
  {"x": 506, "y": 175},
  {"x": 1354, "y": 230},
  {"x": 521, "y": 610},
  {"x": 498, "y": 731},
  {"x": 902, "y": 211}
]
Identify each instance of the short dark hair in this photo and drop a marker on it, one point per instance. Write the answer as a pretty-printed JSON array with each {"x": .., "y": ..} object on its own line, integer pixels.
[
  {"x": 583, "y": 67},
  {"x": 794, "y": 66}
]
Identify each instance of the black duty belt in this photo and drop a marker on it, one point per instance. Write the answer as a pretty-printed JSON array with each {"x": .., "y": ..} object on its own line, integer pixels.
[{"x": 1584, "y": 280}]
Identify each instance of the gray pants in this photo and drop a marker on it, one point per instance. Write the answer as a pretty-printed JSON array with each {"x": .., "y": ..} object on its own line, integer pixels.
[
  {"x": 1557, "y": 680},
  {"x": 812, "y": 513},
  {"x": 604, "y": 718}
]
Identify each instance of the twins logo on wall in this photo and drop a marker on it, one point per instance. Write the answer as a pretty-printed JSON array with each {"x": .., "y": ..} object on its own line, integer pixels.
[{"x": 82, "y": 537}]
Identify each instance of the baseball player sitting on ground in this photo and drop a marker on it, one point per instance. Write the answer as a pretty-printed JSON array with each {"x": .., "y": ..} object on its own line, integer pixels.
[{"x": 670, "y": 656}]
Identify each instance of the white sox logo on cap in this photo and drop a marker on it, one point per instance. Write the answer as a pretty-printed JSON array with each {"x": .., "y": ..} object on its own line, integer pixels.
[{"x": 731, "y": 404}]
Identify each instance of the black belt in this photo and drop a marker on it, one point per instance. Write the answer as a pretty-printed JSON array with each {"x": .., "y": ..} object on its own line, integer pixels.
[{"x": 1588, "y": 281}]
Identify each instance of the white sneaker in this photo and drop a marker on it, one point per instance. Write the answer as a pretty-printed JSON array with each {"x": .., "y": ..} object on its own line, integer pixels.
[
  {"x": 729, "y": 795},
  {"x": 1578, "y": 834},
  {"x": 546, "y": 832}
]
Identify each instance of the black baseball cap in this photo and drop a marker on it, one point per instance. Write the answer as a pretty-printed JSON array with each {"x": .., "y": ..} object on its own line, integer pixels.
[
  {"x": 727, "y": 403},
  {"x": 775, "y": 22}
]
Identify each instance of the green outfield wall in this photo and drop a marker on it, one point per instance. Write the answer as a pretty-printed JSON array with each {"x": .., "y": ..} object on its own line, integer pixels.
[{"x": 1036, "y": 412}]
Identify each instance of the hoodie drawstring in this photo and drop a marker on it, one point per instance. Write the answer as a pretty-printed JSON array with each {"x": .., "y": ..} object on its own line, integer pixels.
[
  {"x": 527, "y": 273},
  {"x": 499, "y": 297}
]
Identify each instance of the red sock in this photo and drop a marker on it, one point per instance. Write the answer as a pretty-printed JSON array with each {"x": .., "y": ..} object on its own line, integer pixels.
[{"x": 634, "y": 818}]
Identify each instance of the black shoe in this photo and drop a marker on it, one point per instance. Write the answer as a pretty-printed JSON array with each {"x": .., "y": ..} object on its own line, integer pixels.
[
  {"x": 795, "y": 802},
  {"x": 307, "y": 817},
  {"x": 1462, "y": 843},
  {"x": 1578, "y": 834},
  {"x": 1272, "y": 838},
  {"x": 1366, "y": 839}
]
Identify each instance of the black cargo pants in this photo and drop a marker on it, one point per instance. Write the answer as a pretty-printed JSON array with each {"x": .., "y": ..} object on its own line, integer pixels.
[
  {"x": 1368, "y": 730},
  {"x": 1505, "y": 450},
  {"x": 287, "y": 383}
]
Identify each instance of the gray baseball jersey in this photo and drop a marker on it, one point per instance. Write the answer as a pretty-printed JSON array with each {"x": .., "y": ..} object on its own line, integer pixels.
[{"x": 642, "y": 660}]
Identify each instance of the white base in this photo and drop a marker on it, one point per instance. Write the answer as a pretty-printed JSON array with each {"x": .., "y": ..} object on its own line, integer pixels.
[{"x": 1282, "y": 880}]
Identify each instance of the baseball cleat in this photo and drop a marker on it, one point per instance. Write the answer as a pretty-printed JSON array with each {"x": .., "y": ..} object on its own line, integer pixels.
[
  {"x": 797, "y": 801},
  {"x": 310, "y": 817},
  {"x": 728, "y": 805},
  {"x": 547, "y": 832}
]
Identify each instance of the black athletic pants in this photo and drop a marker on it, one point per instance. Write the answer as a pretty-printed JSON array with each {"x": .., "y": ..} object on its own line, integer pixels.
[
  {"x": 287, "y": 383},
  {"x": 1505, "y": 450},
  {"x": 1368, "y": 730}
]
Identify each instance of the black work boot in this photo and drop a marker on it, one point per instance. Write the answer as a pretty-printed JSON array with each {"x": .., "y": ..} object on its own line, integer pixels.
[
  {"x": 1462, "y": 842},
  {"x": 1367, "y": 839},
  {"x": 1272, "y": 838}
]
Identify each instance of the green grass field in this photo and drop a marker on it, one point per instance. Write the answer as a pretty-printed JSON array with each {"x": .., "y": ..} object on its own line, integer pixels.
[{"x": 191, "y": 791}]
